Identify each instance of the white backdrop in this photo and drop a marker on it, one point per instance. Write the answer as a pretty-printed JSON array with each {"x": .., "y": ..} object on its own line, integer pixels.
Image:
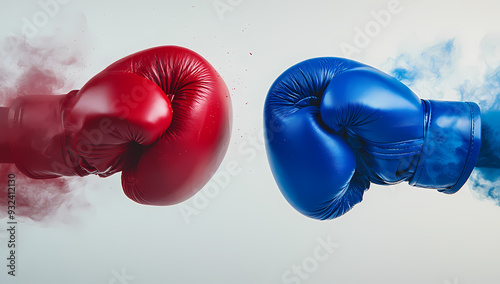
[{"x": 241, "y": 230}]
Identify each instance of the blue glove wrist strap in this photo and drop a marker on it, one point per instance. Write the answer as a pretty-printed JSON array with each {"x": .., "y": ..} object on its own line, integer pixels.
[{"x": 452, "y": 139}]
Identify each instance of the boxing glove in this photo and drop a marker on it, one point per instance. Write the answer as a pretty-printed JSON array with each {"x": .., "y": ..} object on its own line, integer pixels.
[
  {"x": 333, "y": 126},
  {"x": 161, "y": 116}
]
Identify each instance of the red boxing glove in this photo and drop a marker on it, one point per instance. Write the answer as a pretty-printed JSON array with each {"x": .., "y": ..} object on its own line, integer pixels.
[{"x": 161, "y": 116}]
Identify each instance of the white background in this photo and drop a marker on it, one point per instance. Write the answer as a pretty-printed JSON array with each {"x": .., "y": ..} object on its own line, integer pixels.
[{"x": 246, "y": 232}]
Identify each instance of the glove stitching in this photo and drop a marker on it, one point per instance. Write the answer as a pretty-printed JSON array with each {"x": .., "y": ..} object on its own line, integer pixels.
[
  {"x": 429, "y": 119},
  {"x": 473, "y": 129},
  {"x": 394, "y": 154},
  {"x": 411, "y": 149},
  {"x": 303, "y": 99},
  {"x": 472, "y": 141},
  {"x": 471, "y": 150},
  {"x": 394, "y": 145}
]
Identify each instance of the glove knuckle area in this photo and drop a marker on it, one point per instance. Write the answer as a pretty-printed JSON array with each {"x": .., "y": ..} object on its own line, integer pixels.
[
  {"x": 303, "y": 84},
  {"x": 196, "y": 91}
]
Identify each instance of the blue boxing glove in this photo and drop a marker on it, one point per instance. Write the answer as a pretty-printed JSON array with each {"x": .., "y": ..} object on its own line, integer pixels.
[{"x": 334, "y": 125}]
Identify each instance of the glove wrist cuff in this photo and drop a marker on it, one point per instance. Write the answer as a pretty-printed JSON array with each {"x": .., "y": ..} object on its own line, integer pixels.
[
  {"x": 37, "y": 138},
  {"x": 452, "y": 139}
]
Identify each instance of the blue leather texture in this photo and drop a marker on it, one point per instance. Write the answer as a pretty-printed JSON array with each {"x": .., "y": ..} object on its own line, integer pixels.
[{"x": 333, "y": 126}]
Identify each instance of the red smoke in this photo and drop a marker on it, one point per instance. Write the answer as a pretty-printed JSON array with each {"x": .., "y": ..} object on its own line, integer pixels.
[
  {"x": 38, "y": 200},
  {"x": 32, "y": 68}
]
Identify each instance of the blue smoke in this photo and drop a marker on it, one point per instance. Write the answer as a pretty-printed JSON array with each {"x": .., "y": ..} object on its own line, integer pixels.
[
  {"x": 429, "y": 65},
  {"x": 434, "y": 73},
  {"x": 424, "y": 72},
  {"x": 485, "y": 95}
]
